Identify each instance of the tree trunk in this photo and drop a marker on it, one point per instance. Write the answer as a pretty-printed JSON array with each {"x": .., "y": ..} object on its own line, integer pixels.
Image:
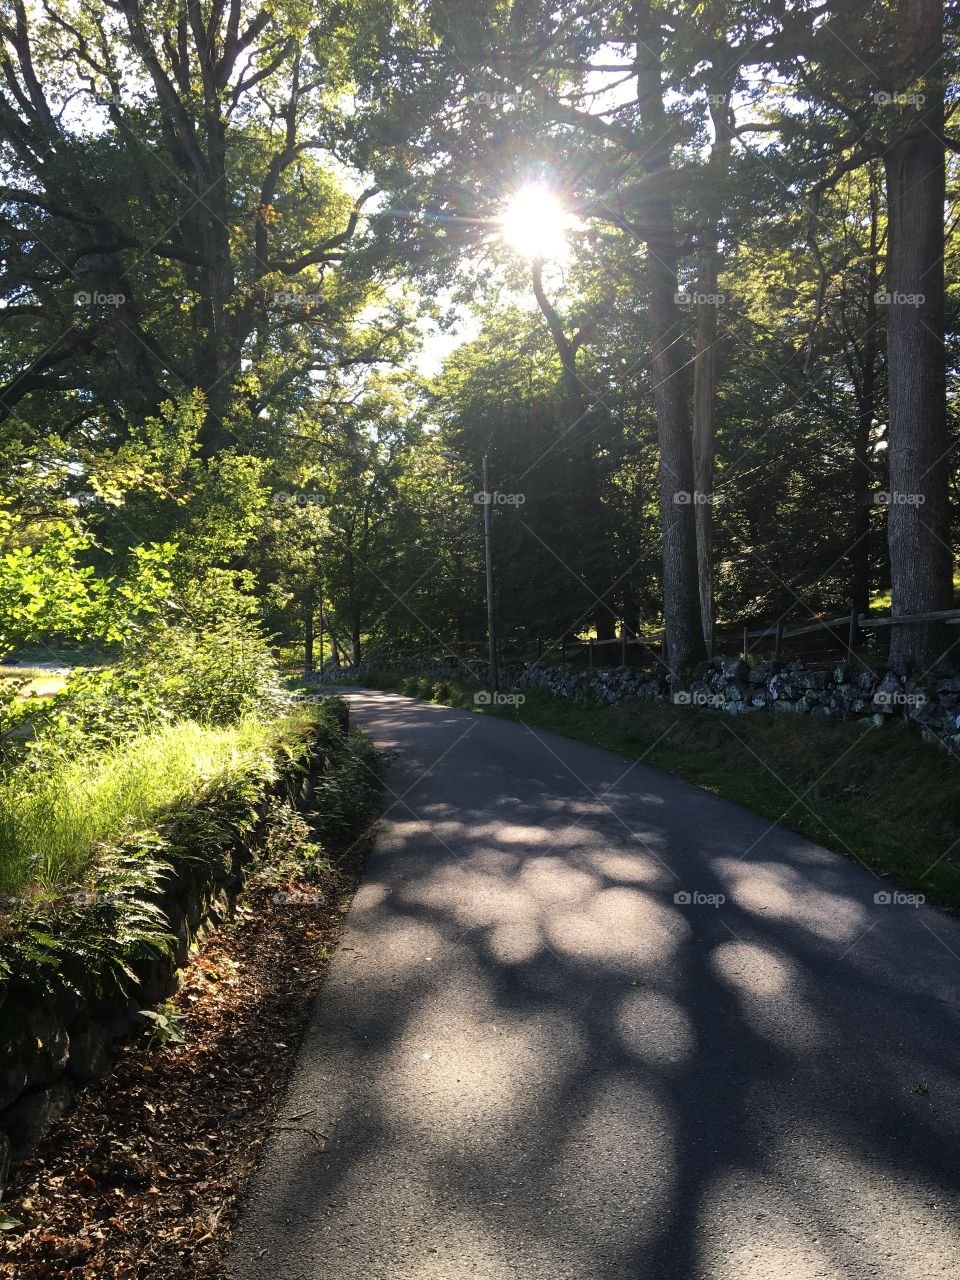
[
  {"x": 704, "y": 427},
  {"x": 355, "y": 639},
  {"x": 308, "y": 636},
  {"x": 320, "y": 630},
  {"x": 681, "y": 595},
  {"x": 921, "y": 561},
  {"x": 705, "y": 357},
  {"x": 593, "y": 565},
  {"x": 863, "y": 483}
]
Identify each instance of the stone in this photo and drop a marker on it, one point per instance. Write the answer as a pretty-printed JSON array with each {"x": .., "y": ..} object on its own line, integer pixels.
[
  {"x": 733, "y": 668},
  {"x": 13, "y": 1061},
  {"x": 90, "y": 1054},
  {"x": 761, "y": 673},
  {"x": 889, "y": 694},
  {"x": 931, "y": 715},
  {"x": 122, "y": 1019},
  {"x": 818, "y": 680},
  {"x": 180, "y": 929},
  {"x": 783, "y": 687},
  {"x": 916, "y": 696},
  {"x": 34, "y": 1114},
  {"x": 67, "y": 1000},
  {"x": 866, "y": 681},
  {"x": 33, "y": 1048}
]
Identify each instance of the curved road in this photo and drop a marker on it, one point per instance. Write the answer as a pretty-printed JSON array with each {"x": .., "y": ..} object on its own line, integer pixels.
[{"x": 533, "y": 1059}]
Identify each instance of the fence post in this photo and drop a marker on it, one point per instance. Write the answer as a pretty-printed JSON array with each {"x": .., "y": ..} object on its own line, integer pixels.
[
  {"x": 663, "y": 646},
  {"x": 854, "y": 632},
  {"x": 590, "y": 654},
  {"x": 778, "y": 641},
  {"x": 563, "y": 652},
  {"x": 623, "y": 646},
  {"x": 745, "y": 643}
]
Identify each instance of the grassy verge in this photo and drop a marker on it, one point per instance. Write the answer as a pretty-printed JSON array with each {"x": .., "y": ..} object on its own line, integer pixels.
[
  {"x": 236, "y": 1020},
  {"x": 879, "y": 795},
  {"x": 52, "y": 821}
]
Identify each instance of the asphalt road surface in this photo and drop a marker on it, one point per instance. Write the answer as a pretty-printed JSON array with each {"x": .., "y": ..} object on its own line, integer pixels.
[{"x": 589, "y": 1022}]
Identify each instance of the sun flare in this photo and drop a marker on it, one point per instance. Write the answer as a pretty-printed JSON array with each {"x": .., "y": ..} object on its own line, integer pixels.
[{"x": 535, "y": 224}]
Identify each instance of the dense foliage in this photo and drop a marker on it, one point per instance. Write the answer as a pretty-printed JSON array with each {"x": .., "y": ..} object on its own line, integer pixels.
[{"x": 227, "y": 230}]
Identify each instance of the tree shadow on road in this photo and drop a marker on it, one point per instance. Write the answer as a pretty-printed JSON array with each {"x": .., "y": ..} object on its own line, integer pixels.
[{"x": 607, "y": 1030}]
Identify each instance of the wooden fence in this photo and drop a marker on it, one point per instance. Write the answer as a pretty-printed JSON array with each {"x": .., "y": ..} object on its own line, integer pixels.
[
  {"x": 842, "y": 635},
  {"x": 822, "y": 639}
]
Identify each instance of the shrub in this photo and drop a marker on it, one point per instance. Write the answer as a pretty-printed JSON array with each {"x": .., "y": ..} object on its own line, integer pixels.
[{"x": 206, "y": 661}]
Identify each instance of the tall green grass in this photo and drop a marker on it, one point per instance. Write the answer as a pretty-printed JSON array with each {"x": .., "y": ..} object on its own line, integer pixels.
[{"x": 51, "y": 821}]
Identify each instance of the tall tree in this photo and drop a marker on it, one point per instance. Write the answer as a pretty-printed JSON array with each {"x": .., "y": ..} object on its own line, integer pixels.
[{"x": 921, "y": 558}]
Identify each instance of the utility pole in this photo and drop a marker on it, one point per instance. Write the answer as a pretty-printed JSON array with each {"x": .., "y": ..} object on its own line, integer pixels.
[{"x": 488, "y": 552}]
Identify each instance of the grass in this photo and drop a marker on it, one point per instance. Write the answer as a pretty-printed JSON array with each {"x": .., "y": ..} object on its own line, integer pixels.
[
  {"x": 882, "y": 796},
  {"x": 882, "y": 601},
  {"x": 64, "y": 655},
  {"x": 51, "y": 822},
  {"x": 39, "y": 683}
]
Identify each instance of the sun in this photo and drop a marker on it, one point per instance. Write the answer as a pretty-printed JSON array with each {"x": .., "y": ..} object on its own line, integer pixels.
[{"x": 535, "y": 224}]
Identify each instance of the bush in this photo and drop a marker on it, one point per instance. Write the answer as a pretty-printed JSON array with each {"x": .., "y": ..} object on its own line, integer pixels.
[{"x": 206, "y": 660}]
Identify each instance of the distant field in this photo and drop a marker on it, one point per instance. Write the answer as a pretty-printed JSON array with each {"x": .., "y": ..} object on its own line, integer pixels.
[{"x": 40, "y": 683}]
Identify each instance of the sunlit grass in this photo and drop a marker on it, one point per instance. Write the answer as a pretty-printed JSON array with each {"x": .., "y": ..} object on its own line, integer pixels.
[
  {"x": 51, "y": 822},
  {"x": 882, "y": 601},
  {"x": 39, "y": 683}
]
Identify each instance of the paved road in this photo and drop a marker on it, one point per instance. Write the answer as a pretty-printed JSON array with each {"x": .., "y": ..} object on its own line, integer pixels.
[{"x": 532, "y": 1060}]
